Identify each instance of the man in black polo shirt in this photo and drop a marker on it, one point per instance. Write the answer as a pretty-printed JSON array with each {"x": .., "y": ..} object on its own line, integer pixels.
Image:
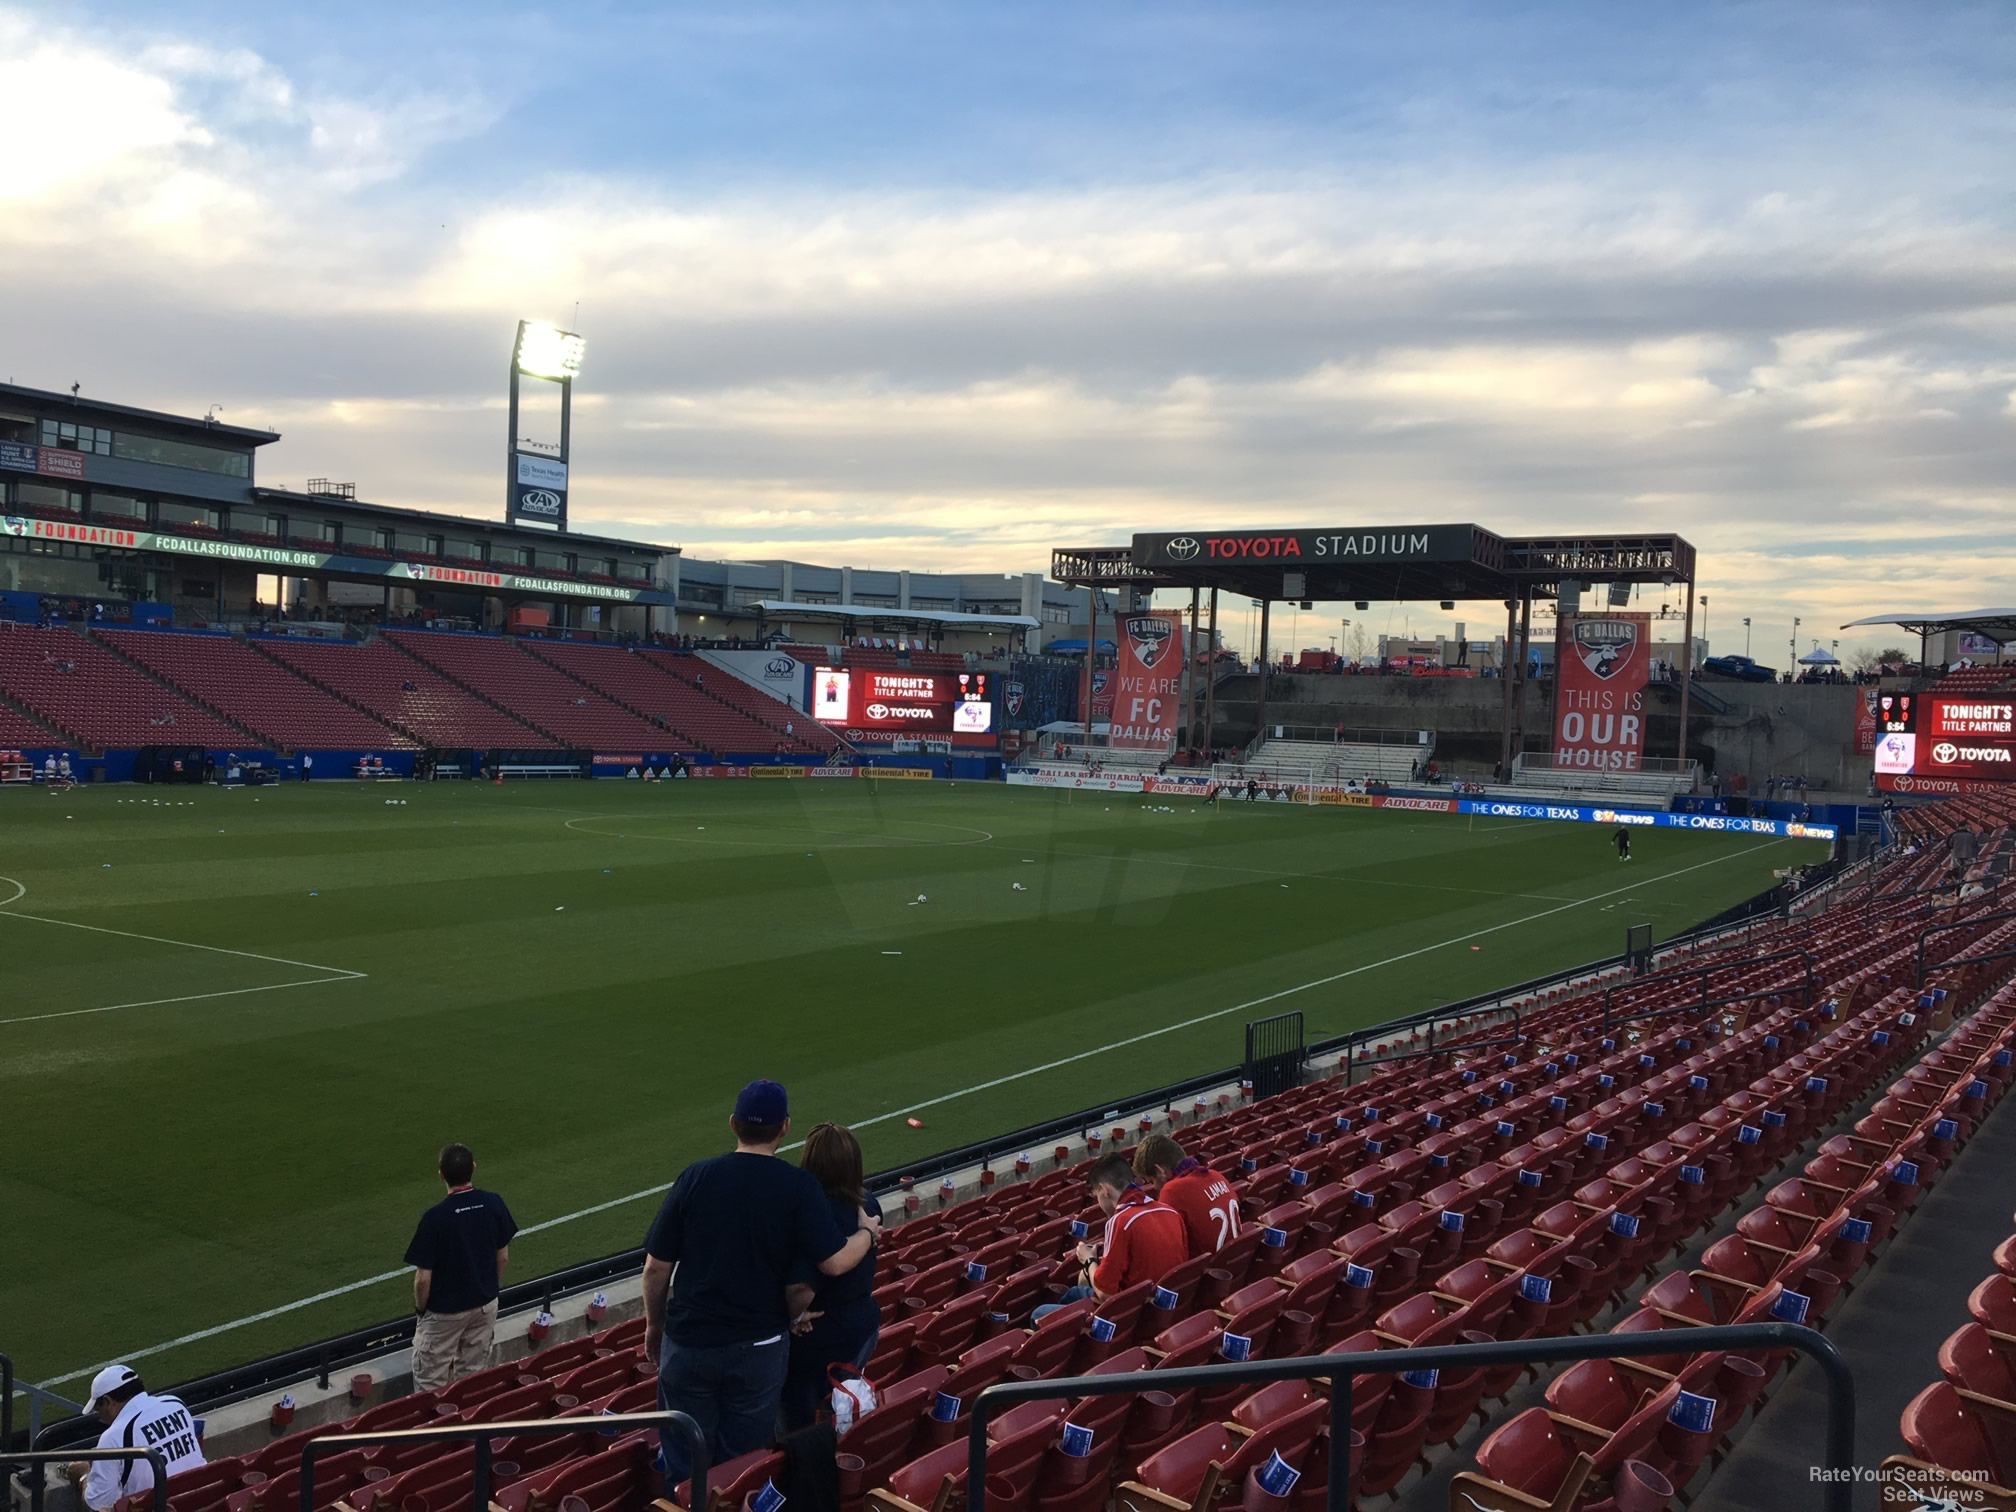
[
  {"x": 732, "y": 1235},
  {"x": 459, "y": 1250}
]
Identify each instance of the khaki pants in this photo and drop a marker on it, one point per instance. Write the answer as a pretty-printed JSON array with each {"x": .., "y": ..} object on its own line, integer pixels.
[{"x": 448, "y": 1346}]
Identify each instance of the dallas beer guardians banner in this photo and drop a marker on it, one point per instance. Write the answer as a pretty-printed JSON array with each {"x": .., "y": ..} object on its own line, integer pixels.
[{"x": 1600, "y": 667}]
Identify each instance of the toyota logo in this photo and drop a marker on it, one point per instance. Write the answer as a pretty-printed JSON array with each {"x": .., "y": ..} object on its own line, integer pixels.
[
  {"x": 1182, "y": 548},
  {"x": 1945, "y": 753},
  {"x": 877, "y": 711}
]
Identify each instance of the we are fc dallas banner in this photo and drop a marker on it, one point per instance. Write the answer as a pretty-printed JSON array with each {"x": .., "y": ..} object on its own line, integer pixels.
[
  {"x": 1146, "y": 683},
  {"x": 1600, "y": 666}
]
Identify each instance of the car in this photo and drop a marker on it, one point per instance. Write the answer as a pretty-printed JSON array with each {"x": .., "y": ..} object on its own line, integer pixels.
[{"x": 1742, "y": 668}]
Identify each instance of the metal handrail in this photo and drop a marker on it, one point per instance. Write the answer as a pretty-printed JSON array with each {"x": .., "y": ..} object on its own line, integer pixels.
[
  {"x": 1340, "y": 1368},
  {"x": 480, "y": 1435},
  {"x": 39, "y": 1457},
  {"x": 1705, "y": 972},
  {"x": 1927, "y": 934}
]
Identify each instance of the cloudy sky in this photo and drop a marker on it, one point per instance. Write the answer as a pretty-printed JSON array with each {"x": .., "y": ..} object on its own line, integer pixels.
[{"x": 946, "y": 285}]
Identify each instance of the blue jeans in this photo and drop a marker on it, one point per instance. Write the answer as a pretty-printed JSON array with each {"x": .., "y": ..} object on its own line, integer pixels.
[
  {"x": 1076, "y": 1294},
  {"x": 730, "y": 1390}
]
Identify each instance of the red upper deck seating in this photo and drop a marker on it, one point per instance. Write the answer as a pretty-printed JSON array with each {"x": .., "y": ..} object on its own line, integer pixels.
[
  {"x": 398, "y": 689},
  {"x": 265, "y": 697},
  {"x": 81, "y": 687},
  {"x": 535, "y": 690}
]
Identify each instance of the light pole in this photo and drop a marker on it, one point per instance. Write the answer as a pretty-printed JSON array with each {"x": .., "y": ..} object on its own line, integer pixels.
[
  {"x": 1795, "y": 639},
  {"x": 1746, "y": 635},
  {"x": 1704, "y": 628}
]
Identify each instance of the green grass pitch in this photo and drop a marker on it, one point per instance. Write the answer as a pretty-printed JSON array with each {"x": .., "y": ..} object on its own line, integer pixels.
[{"x": 236, "y": 1027}]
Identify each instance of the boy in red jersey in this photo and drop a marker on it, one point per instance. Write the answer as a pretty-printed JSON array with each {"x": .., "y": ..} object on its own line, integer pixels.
[
  {"x": 1143, "y": 1241},
  {"x": 1204, "y": 1198}
]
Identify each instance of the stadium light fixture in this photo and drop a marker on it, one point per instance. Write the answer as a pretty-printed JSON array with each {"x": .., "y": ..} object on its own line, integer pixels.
[{"x": 547, "y": 352}]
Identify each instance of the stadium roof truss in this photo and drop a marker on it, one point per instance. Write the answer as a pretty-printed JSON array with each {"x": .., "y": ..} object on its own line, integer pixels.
[
  {"x": 1998, "y": 625},
  {"x": 1390, "y": 563}
]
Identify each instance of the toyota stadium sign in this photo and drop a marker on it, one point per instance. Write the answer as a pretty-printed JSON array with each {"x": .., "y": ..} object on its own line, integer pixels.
[{"x": 1341, "y": 547}]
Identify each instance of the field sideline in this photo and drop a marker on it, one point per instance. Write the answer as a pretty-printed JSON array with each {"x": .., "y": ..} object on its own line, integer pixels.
[{"x": 238, "y": 1025}]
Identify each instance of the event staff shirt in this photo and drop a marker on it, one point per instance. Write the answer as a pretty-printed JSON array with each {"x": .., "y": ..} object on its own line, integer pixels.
[
  {"x": 458, "y": 1239},
  {"x": 1145, "y": 1240},
  {"x": 739, "y": 1228},
  {"x": 144, "y": 1422},
  {"x": 1209, "y": 1208}
]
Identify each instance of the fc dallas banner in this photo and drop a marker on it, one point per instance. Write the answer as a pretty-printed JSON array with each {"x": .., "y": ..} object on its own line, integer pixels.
[
  {"x": 1600, "y": 664},
  {"x": 1146, "y": 683}
]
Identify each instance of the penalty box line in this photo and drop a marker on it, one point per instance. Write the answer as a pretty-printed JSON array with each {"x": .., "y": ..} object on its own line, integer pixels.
[
  {"x": 658, "y": 1189},
  {"x": 329, "y": 973}
]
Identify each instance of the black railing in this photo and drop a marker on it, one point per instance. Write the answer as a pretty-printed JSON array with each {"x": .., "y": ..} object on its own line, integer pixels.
[
  {"x": 1937, "y": 929},
  {"x": 1338, "y": 1369},
  {"x": 1464, "y": 1047},
  {"x": 34, "y": 1459},
  {"x": 1275, "y": 1053},
  {"x": 1705, "y": 972},
  {"x": 6, "y": 1401},
  {"x": 480, "y": 1435}
]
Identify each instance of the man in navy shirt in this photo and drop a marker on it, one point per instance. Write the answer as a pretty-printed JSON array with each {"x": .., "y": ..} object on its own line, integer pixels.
[
  {"x": 459, "y": 1252},
  {"x": 733, "y": 1234}
]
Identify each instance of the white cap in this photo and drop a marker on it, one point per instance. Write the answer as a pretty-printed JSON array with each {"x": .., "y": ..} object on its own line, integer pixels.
[{"x": 107, "y": 1381}]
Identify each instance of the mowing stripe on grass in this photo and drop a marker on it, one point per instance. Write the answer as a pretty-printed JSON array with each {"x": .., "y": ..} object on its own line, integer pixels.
[{"x": 999, "y": 1081}]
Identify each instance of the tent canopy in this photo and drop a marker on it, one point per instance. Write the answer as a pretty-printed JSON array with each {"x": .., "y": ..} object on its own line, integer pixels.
[
  {"x": 1075, "y": 647},
  {"x": 1819, "y": 656}
]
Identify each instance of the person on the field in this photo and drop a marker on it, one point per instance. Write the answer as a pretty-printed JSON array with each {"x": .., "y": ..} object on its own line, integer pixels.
[
  {"x": 1623, "y": 842},
  {"x": 458, "y": 1252},
  {"x": 1252, "y": 790},
  {"x": 1204, "y": 1198},
  {"x": 133, "y": 1420}
]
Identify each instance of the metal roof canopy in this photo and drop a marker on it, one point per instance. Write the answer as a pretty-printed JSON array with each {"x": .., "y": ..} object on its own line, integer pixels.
[
  {"x": 1390, "y": 563},
  {"x": 869, "y": 612},
  {"x": 1999, "y": 625}
]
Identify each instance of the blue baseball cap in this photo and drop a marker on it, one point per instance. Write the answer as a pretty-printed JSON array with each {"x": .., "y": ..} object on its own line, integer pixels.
[{"x": 762, "y": 1102}]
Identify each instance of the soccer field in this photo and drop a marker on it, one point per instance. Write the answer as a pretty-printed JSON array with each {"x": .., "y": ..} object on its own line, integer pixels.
[{"x": 237, "y": 1026}]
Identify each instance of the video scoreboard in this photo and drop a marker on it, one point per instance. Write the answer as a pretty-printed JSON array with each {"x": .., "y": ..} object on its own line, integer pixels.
[
  {"x": 882, "y": 703},
  {"x": 1926, "y": 735}
]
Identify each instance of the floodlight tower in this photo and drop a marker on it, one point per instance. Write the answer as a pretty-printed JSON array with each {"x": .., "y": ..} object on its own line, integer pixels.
[{"x": 535, "y": 483}]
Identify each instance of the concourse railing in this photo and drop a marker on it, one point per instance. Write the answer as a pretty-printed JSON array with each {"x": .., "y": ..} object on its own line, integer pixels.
[
  {"x": 1340, "y": 1368},
  {"x": 480, "y": 1436}
]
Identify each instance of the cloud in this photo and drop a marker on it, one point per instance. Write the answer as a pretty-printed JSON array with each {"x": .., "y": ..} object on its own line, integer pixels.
[{"x": 1766, "y": 349}]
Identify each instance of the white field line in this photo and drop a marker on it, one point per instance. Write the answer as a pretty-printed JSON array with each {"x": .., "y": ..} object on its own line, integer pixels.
[
  {"x": 194, "y": 997},
  {"x": 987, "y": 1086},
  {"x": 332, "y": 973}
]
